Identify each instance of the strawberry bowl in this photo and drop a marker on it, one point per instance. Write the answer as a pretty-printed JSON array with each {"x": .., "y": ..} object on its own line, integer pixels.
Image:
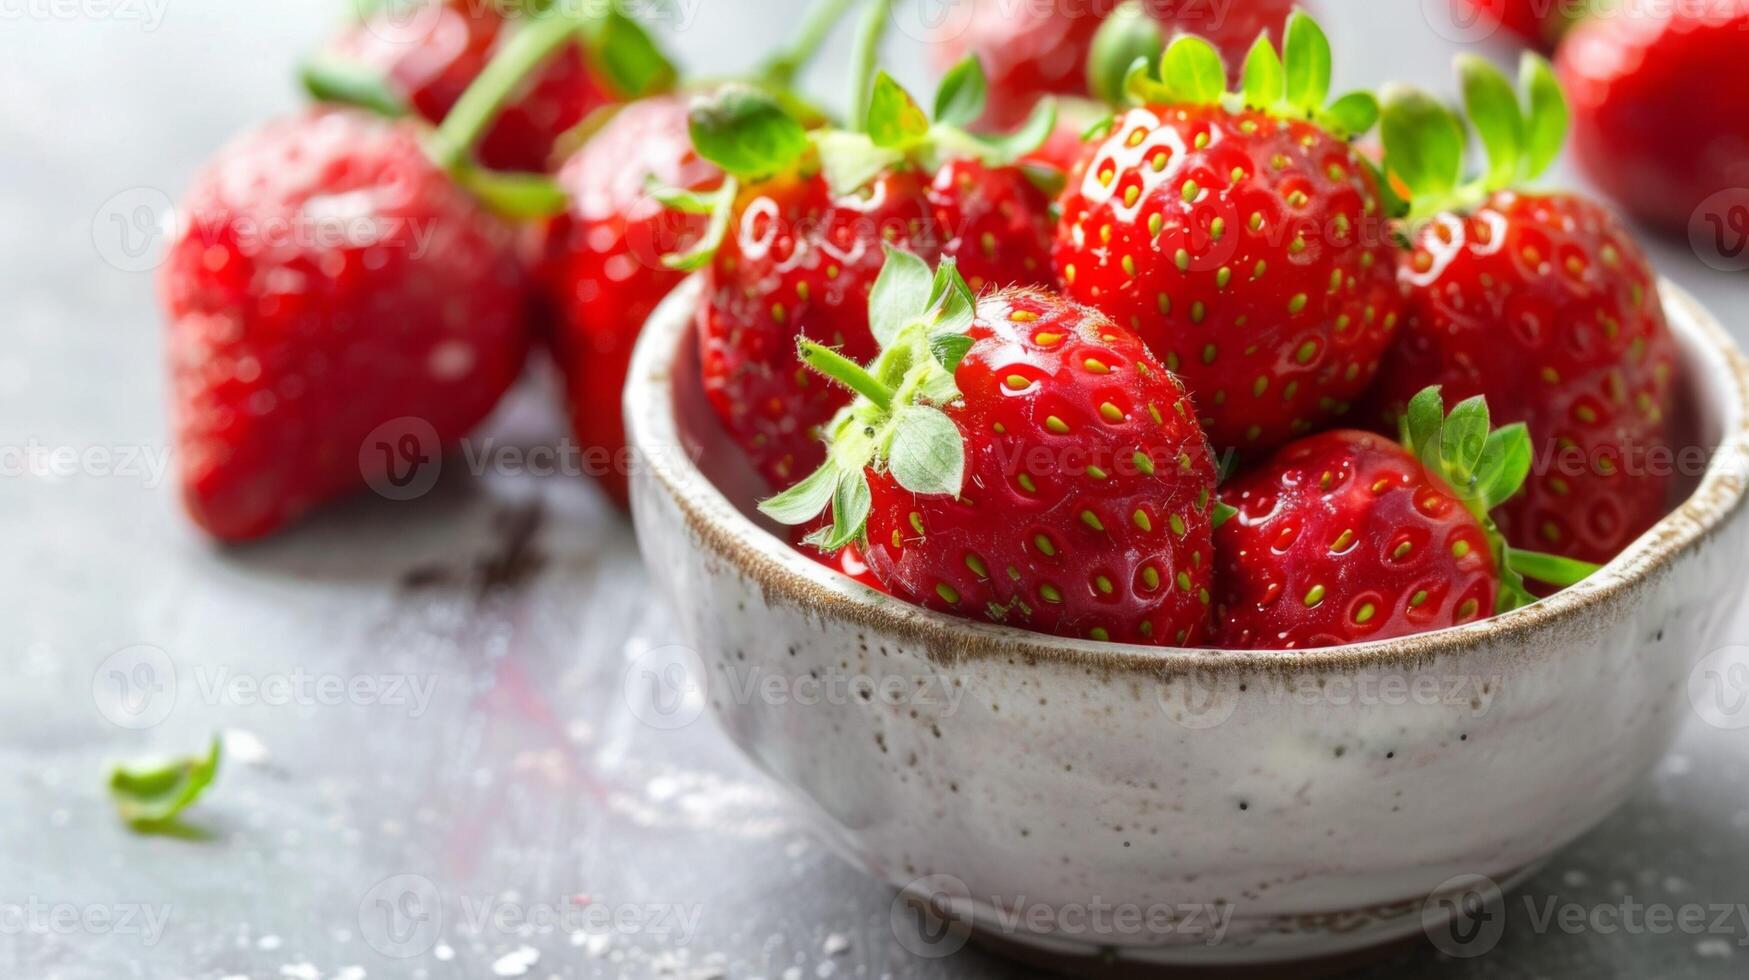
[{"x": 1197, "y": 808}]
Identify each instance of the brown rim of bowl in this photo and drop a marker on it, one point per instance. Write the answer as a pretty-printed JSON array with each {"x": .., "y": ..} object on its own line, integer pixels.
[{"x": 783, "y": 572}]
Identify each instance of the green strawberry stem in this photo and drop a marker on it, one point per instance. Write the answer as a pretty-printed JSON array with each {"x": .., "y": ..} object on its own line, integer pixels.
[
  {"x": 1521, "y": 130},
  {"x": 868, "y": 46},
  {"x": 1129, "y": 35},
  {"x": 1294, "y": 84},
  {"x": 1483, "y": 467},
  {"x": 920, "y": 319},
  {"x": 828, "y": 362},
  {"x": 780, "y": 72},
  {"x": 479, "y": 106},
  {"x": 1550, "y": 569},
  {"x": 330, "y": 79}
]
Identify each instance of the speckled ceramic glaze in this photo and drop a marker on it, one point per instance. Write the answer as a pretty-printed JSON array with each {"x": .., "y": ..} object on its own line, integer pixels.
[{"x": 1311, "y": 801}]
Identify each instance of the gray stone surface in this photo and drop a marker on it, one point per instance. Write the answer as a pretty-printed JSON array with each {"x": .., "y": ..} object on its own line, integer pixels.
[{"x": 506, "y": 773}]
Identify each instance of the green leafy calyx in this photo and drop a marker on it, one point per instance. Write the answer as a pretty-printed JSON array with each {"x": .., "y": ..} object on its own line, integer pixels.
[
  {"x": 150, "y": 796},
  {"x": 896, "y": 424},
  {"x": 1293, "y": 82},
  {"x": 1483, "y": 467},
  {"x": 896, "y": 130},
  {"x": 1521, "y": 130}
]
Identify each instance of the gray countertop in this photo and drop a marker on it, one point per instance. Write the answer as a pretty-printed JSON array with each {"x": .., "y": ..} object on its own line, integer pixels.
[{"x": 423, "y": 700}]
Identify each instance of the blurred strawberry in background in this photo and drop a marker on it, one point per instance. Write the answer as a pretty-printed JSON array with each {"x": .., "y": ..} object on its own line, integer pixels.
[
  {"x": 1537, "y": 22},
  {"x": 1033, "y": 49},
  {"x": 1661, "y": 123},
  {"x": 605, "y": 273},
  {"x": 425, "y": 54}
]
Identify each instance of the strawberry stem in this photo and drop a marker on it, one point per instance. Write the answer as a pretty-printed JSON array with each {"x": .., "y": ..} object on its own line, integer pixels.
[
  {"x": 868, "y": 46},
  {"x": 833, "y": 365},
  {"x": 780, "y": 72},
  {"x": 478, "y": 107}
]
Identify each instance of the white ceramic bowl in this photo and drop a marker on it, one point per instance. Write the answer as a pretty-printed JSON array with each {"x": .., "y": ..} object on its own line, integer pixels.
[{"x": 1317, "y": 802}]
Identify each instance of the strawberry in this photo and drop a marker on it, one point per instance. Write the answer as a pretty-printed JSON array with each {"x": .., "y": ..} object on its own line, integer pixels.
[
  {"x": 330, "y": 279},
  {"x": 1653, "y": 125},
  {"x": 422, "y": 59},
  {"x": 604, "y": 273},
  {"x": 1537, "y": 22},
  {"x": 340, "y": 283},
  {"x": 795, "y": 242},
  {"x": 1245, "y": 246},
  {"x": 1346, "y": 536},
  {"x": 1540, "y": 302},
  {"x": 1036, "y": 49},
  {"x": 1017, "y": 458}
]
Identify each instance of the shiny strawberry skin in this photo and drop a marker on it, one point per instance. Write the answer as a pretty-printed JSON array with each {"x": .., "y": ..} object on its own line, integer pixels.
[
  {"x": 1258, "y": 266},
  {"x": 328, "y": 279},
  {"x": 430, "y": 57},
  {"x": 1088, "y": 487},
  {"x": 1342, "y": 537},
  {"x": 1654, "y": 123},
  {"x": 994, "y": 222},
  {"x": 799, "y": 262},
  {"x": 1030, "y": 50},
  {"x": 604, "y": 275},
  {"x": 1544, "y": 304}
]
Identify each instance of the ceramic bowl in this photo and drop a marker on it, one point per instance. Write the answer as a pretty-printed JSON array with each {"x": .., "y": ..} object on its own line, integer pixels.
[{"x": 1183, "y": 807}]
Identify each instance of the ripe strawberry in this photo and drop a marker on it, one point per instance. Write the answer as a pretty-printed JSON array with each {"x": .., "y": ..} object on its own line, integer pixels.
[
  {"x": 1031, "y": 50},
  {"x": 604, "y": 273},
  {"x": 796, "y": 236},
  {"x": 1653, "y": 125},
  {"x": 330, "y": 278},
  {"x": 1542, "y": 303},
  {"x": 424, "y": 57},
  {"x": 1018, "y": 458},
  {"x": 1246, "y": 248},
  {"x": 1537, "y": 22},
  {"x": 1346, "y": 536}
]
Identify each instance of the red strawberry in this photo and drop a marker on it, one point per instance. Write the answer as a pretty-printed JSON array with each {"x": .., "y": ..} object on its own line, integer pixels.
[
  {"x": 994, "y": 220},
  {"x": 1017, "y": 458},
  {"x": 604, "y": 272},
  {"x": 427, "y": 55},
  {"x": 329, "y": 279},
  {"x": 1247, "y": 249},
  {"x": 1543, "y": 304},
  {"x": 1031, "y": 50},
  {"x": 1537, "y": 22},
  {"x": 798, "y": 247},
  {"x": 1346, "y": 536},
  {"x": 1656, "y": 123}
]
